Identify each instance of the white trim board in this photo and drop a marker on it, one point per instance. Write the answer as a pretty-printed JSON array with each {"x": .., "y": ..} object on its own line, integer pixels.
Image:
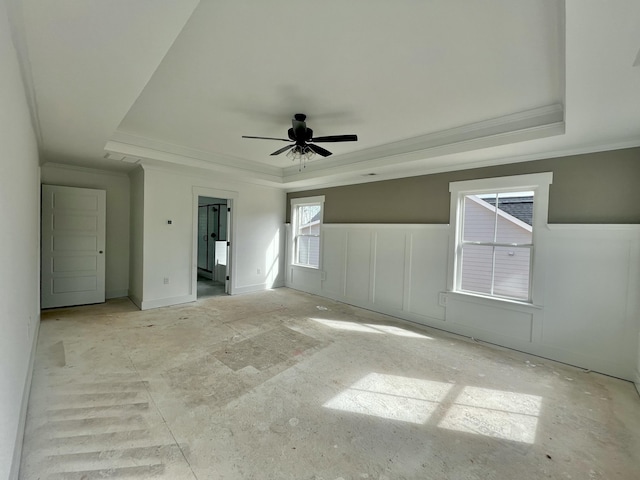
[
  {"x": 90, "y": 170},
  {"x": 232, "y": 203},
  {"x": 165, "y": 302},
  {"x": 17, "y": 451}
]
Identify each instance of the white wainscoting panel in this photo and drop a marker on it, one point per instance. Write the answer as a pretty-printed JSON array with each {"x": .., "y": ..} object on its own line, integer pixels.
[
  {"x": 305, "y": 278},
  {"x": 494, "y": 323},
  {"x": 389, "y": 268},
  {"x": 334, "y": 258},
  {"x": 427, "y": 262},
  {"x": 589, "y": 316},
  {"x": 591, "y": 296},
  {"x": 358, "y": 273},
  {"x": 395, "y": 269}
]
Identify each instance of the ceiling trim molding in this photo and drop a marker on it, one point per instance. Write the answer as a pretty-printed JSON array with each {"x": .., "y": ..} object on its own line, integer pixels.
[
  {"x": 148, "y": 156},
  {"x": 204, "y": 173},
  {"x": 77, "y": 168},
  {"x": 517, "y": 127},
  {"x": 418, "y": 159},
  {"x": 522, "y": 126},
  {"x": 182, "y": 151},
  {"x": 419, "y": 170},
  {"x": 19, "y": 39}
]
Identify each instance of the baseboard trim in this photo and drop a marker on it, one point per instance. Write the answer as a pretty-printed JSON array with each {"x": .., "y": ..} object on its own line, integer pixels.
[
  {"x": 166, "y": 302},
  {"x": 17, "y": 450},
  {"x": 637, "y": 381},
  {"x": 320, "y": 293},
  {"x": 258, "y": 287}
]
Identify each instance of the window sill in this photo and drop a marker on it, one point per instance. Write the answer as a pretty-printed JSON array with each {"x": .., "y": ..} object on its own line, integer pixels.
[
  {"x": 307, "y": 267},
  {"x": 493, "y": 301}
]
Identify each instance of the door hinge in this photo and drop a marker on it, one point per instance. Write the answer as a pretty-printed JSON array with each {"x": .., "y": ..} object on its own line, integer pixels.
[
  {"x": 229, "y": 210},
  {"x": 227, "y": 277},
  {"x": 228, "y": 244}
]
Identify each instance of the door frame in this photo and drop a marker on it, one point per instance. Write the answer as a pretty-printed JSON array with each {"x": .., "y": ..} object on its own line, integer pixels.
[
  {"x": 204, "y": 272},
  {"x": 232, "y": 202}
]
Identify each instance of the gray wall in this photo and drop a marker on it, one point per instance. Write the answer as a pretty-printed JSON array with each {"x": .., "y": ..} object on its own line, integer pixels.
[{"x": 601, "y": 187}]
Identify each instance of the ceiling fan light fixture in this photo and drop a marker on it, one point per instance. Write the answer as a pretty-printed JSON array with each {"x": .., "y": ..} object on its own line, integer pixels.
[
  {"x": 301, "y": 153},
  {"x": 300, "y": 134}
]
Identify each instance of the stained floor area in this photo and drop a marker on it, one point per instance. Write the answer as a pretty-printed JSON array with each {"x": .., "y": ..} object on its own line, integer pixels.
[{"x": 286, "y": 385}]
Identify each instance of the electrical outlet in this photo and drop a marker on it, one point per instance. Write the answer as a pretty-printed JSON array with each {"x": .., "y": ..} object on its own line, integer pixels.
[
  {"x": 442, "y": 299},
  {"x": 166, "y": 280}
]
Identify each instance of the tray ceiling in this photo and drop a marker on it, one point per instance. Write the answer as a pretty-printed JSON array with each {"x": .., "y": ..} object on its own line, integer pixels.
[{"x": 427, "y": 86}]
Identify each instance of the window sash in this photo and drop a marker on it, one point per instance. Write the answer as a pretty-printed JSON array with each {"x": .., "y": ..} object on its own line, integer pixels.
[
  {"x": 512, "y": 289},
  {"x": 539, "y": 183},
  {"x": 309, "y": 256},
  {"x": 488, "y": 285},
  {"x": 306, "y": 246}
]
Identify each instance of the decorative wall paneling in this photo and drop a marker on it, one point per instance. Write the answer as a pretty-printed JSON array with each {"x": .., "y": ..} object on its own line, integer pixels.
[{"x": 589, "y": 317}]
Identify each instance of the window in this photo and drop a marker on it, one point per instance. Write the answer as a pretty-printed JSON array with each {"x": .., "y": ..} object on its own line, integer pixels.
[
  {"x": 307, "y": 224},
  {"x": 494, "y": 223}
]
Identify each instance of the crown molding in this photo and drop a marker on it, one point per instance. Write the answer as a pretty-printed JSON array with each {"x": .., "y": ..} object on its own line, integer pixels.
[
  {"x": 18, "y": 37},
  {"x": 407, "y": 158},
  {"x": 201, "y": 173},
  {"x": 150, "y": 157},
  {"x": 77, "y": 168},
  {"x": 517, "y": 127},
  {"x": 527, "y": 125},
  {"x": 216, "y": 159},
  {"x": 422, "y": 169}
]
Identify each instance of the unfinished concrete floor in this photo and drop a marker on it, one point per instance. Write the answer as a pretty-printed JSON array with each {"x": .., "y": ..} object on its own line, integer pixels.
[
  {"x": 285, "y": 385},
  {"x": 209, "y": 288}
]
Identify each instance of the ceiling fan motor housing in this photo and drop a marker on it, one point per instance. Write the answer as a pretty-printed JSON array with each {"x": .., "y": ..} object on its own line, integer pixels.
[{"x": 300, "y": 134}]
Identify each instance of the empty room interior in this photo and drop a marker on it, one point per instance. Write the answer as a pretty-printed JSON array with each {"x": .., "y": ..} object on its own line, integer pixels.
[{"x": 320, "y": 240}]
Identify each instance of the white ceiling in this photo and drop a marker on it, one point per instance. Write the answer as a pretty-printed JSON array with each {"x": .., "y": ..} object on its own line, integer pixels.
[{"x": 426, "y": 86}]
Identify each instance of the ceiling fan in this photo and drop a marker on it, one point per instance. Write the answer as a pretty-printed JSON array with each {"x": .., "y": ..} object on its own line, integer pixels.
[{"x": 304, "y": 141}]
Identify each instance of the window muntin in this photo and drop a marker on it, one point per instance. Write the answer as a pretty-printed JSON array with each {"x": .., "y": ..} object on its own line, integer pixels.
[
  {"x": 503, "y": 246},
  {"x": 496, "y": 244},
  {"x": 307, "y": 225}
]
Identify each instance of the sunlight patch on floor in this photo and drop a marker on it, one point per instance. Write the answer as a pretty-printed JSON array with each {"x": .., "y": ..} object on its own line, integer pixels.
[
  {"x": 370, "y": 328},
  {"x": 392, "y": 397},
  {"x": 494, "y": 413},
  {"x": 481, "y": 411}
]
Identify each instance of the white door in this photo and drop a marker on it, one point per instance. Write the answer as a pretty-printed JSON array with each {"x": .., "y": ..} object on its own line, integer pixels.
[{"x": 73, "y": 246}]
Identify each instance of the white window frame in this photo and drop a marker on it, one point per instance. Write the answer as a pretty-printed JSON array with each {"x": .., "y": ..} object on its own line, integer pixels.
[
  {"x": 301, "y": 202},
  {"x": 539, "y": 184}
]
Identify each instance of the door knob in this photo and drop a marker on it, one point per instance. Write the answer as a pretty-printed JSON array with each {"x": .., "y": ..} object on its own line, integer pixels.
[{"x": 100, "y": 251}]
